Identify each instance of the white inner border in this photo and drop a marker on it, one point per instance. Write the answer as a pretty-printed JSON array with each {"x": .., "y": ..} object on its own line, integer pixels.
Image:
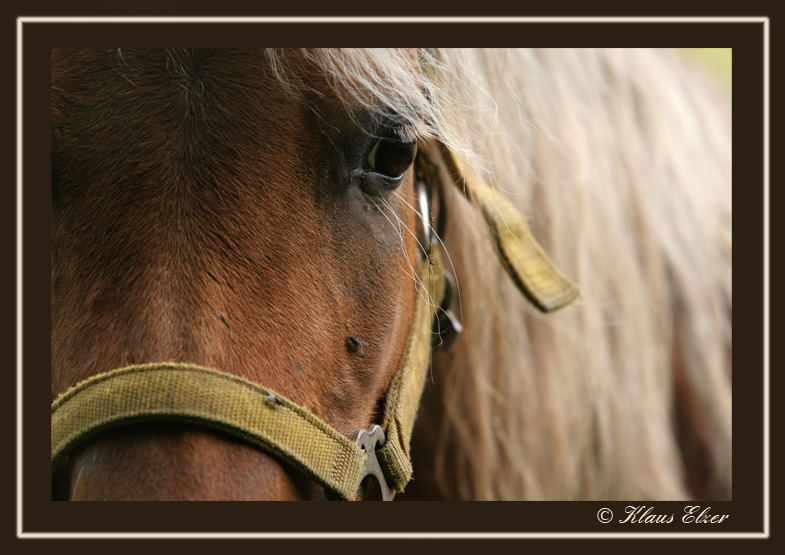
[{"x": 20, "y": 533}]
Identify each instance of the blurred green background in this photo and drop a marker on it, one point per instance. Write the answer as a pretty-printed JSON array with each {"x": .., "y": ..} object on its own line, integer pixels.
[{"x": 718, "y": 61}]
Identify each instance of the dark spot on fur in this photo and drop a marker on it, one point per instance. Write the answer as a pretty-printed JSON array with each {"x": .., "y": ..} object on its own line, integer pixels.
[{"x": 354, "y": 345}]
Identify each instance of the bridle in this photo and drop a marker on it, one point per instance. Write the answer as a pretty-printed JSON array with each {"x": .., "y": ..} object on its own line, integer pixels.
[{"x": 181, "y": 392}]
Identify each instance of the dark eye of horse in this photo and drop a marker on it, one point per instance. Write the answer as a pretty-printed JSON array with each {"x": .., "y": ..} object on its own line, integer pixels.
[{"x": 391, "y": 157}]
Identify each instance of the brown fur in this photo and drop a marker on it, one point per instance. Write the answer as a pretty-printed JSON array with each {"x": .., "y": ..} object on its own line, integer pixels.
[{"x": 200, "y": 216}]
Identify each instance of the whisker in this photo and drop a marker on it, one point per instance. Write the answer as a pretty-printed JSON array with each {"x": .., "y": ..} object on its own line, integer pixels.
[
  {"x": 436, "y": 308},
  {"x": 419, "y": 244},
  {"x": 398, "y": 230},
  {"x": 413, "y": 273},
  {"x": 432, "y": 303},
  {"x": 401, "y": 226},
  {"x": 446, "y": 252}
]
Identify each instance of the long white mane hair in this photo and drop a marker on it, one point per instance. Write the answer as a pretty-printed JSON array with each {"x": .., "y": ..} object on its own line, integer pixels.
[{"x": 621, "y": 161}]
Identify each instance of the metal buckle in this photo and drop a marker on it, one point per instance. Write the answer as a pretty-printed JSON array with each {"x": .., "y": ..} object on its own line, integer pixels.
[{"x": 369, "y": 440}]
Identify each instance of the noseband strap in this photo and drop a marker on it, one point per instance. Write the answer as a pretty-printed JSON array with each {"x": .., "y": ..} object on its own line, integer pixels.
[{"x": 193, "y": 394}]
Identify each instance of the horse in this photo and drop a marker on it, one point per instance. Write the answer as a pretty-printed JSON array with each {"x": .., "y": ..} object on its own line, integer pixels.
[{"x": 539, "y": 239}]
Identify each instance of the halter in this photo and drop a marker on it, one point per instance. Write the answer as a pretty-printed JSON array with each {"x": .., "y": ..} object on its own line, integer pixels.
[{"x": 188, "y": 393}]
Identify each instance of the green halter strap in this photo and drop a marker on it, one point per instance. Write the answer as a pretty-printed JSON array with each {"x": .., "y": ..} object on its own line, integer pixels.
[{"x": 519, "y": 253}]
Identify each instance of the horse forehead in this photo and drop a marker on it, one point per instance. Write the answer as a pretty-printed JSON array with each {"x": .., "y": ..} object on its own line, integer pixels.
[
  {"x": 246, "y": 69},
  {"x": 160, "y": 115},
  {"x": 191, "y": 91}
]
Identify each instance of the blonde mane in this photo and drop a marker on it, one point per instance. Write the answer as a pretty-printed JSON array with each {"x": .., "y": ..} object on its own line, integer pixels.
[{"x": 621, "y": 160}]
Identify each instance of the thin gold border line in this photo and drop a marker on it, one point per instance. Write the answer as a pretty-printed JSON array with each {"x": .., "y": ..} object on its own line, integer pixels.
[
  {"x": 766, "y": 283},
  {"x": 382, "y": 19},
  {"x": 19, "y": 529},
  {"x": 390, "y": 535}
]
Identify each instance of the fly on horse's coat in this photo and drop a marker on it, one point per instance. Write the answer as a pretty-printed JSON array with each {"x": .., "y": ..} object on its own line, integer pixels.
[{"x": 352, "y": 274}]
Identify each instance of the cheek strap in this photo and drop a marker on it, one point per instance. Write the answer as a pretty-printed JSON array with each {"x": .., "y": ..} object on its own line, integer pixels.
[{"x": 519, "y": 253}]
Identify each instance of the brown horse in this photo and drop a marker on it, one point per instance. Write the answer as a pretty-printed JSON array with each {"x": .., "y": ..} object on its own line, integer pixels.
[{"x": 260, "y": 213}]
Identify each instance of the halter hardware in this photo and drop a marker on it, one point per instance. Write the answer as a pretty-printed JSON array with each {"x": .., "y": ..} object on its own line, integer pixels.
[
  {"x": 448, "y": 327},
  {"x": 369, "y": 441},
  {"x": 424, "y": 211}
]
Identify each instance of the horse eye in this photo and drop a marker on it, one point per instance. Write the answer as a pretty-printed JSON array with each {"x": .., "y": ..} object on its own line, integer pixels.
[{"x": 391, "y": 157}]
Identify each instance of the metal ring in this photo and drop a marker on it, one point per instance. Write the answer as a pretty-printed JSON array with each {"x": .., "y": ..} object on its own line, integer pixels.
[{"x": 424, "y": 206}]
